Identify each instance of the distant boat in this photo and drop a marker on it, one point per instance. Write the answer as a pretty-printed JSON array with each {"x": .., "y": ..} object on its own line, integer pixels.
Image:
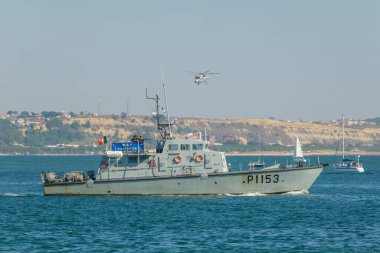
[
  {"x": 347, "y": 164},
  {"x": 299, "y": 161},
  {"x": 258, "y": 164},
  {"x": 298, "y": 154}
]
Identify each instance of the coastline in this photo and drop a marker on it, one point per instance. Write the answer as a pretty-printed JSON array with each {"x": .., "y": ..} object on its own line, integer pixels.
[
  {"x": 269, "y": 153},
  {"x": 19, "y": 154},
  {"x": 306, "y": 153}
]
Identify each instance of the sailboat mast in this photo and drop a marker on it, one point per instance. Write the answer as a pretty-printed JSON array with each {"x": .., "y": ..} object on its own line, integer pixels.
[
  {"x": 343, "y": 135},
  {"x": 259, "y": 147}
]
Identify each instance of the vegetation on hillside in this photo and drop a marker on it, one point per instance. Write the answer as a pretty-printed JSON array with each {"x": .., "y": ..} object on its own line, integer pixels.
[{"x": 55, "y": 132}]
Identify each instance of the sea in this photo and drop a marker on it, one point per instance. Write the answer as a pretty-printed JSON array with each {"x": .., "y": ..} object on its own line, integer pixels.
[{"x": 339, "y": 213}]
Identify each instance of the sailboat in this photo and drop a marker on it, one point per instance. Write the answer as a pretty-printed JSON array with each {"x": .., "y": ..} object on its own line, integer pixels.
[
  {"x": 258, "y": 164},
  {"x": 298, "y": 154},
  {"x": 348, "y": 164}
]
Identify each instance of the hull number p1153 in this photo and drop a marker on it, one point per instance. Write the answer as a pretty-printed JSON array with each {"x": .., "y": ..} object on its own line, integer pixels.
[{"x": 263, "y": 179}]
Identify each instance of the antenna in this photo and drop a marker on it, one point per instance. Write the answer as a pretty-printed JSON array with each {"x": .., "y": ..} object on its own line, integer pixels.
[
  {"x": 157, "y": 112},
  {"x": 163, "y": 128},
  {"x": 166, "y": 103}
]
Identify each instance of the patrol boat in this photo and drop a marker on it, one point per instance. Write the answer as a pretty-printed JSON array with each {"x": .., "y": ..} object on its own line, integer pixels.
[{"x": 176, "y": 167}]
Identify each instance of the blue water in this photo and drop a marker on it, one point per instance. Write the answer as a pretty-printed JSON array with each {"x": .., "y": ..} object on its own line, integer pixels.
[{"x": 341, "y": 213}]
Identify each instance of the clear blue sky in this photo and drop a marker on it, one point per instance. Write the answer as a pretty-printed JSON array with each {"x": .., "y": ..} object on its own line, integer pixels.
[{"x": 310, "y": 60}]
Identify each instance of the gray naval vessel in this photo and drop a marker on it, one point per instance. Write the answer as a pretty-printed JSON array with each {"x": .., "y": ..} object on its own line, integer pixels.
[{"x": 175, "y": 167}]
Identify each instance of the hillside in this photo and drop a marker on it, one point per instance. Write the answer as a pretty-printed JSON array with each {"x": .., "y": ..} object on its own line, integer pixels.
[
  {"x": 244, "y": 132},
  {"x": 78, "y": 133}
]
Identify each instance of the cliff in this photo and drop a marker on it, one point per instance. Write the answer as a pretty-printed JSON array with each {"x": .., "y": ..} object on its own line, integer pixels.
[{"x": 272, "y": 132}]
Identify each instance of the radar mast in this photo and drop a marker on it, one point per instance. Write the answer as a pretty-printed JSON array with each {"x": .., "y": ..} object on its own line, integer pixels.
[{"x": 164, "y": 128}]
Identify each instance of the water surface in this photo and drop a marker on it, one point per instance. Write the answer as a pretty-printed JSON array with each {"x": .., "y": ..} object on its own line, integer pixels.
[{"x": 341, "y": 213}]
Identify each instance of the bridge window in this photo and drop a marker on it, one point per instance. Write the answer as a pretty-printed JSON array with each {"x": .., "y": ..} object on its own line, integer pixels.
[
  {"x": 197, "y": 146},
  {"x": 185, "y": 146},
  {"x": 173, "y": 147},
  {"x": 132, "y": 159}
]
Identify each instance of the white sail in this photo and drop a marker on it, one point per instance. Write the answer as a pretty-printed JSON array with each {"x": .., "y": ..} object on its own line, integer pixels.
[
  {"x": 298, "y": 151},
  {"x": 298, "y": 154}
]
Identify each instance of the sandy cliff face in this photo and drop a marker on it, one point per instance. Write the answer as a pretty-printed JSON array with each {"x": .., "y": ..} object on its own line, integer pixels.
[
  {"x": 271, "y": 131},
  {"x": 284, "y": 133}
]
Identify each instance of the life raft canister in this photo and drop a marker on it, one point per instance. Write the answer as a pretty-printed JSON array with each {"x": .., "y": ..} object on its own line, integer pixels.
[
  {"x": 177, "y": 159},
  {"x": 152, "y": 163},
  {"x": 198, "y": 158}
]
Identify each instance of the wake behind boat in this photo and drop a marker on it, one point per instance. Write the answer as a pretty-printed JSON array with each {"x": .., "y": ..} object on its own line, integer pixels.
[{"x": 177, "y": 167}]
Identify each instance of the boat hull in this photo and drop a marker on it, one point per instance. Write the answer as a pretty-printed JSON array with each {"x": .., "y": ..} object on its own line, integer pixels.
[
  {"x": 345, "y": 168},
  {"x": 267, "y": 182}
]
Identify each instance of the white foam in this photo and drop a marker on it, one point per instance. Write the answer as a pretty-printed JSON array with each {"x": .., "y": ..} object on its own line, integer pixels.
[
  {"x": 302, "y": 192},
  {"x": 249, "y": 194},
  {"x": 8, "y": 194}
]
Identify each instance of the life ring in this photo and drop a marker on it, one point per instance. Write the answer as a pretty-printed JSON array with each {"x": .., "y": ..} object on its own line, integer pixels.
[
  {"x": 152, "y": 163},
  {"x": 198, "y": 158},
  {"x": 177, "y": 159},
  {"x": 103, "y": 165}
]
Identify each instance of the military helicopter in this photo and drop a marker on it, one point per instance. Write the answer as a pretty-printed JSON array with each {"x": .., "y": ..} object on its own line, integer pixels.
[{"x": 201, "y": 77}]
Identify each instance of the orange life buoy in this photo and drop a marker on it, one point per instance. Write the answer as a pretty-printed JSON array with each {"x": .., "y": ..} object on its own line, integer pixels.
[
  {"x": 198, "y": 158},
  {"x": 103, "y": 165},
  {"x": 177, "y": 159},
  {"x": 152, "y": 163}
]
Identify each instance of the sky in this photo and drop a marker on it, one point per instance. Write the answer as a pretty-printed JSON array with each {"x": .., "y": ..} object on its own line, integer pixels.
[{"x": 291, "y": 60}]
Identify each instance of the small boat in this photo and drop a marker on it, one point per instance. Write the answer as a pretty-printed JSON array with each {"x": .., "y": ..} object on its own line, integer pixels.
[
  {"x": 349, "y": 165},
  {"x": 258, "y": 164},
  {"x": 176, "y": 167},
  {"x": 298, "y": 158},
  {"x": 346, "y": 164}
]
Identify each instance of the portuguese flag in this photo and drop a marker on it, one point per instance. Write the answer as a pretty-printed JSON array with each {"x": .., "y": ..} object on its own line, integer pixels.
[{"x": 102, "y": 140}]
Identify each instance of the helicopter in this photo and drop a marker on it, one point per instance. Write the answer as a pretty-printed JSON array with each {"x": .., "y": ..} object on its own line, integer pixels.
[{"x": 201, "y": 77}]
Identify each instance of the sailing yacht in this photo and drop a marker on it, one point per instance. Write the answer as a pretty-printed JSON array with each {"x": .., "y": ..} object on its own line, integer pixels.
[
  {"x": 259, "y": 164},
  {"x": 298, "y": 154},
  {"x": 348, "y": 164}
]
